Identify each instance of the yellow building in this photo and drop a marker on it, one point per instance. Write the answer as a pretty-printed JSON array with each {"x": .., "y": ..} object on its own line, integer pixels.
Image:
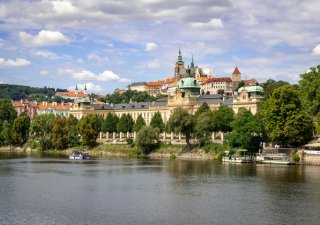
[{"x": 186, "y": 95}]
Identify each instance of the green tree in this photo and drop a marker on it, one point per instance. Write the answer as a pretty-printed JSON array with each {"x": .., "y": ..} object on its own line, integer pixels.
[
  {"x": 284, "y": 118},
  {"x": 89, "y": 127},
  {"x": 270, "y": 85},
  {"x": 60, "y": 133},
  {"x": 139, "y": 123},
  {"x": 309, "y": 86},
  {"x": 109, "y": 124},
  {"x": 6, "y": 133},
  {"x": 203, "y": 127},
  {"x": 246, "y": 131},
  {"x": 41, "y": 125},
  {"x": 147, "y": 139},
  {"x": 20, "y": 129},
  {"x": 130, "y": 123},
  {"x": 7, "y": 111},
  {"x": 73, "y": 132},
  {"x": 156, "y": 121},
  {"x": 183, "y": 122},
  {"x": 203, "y": 108},
  {"x": 222, "y": 119},
  {"x": 125, "y": 123}
]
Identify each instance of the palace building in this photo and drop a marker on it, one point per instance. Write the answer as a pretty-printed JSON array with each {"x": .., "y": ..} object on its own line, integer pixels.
[{"x": 189, "y": 89}]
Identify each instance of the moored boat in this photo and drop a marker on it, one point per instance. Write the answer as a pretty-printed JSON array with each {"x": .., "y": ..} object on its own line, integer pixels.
[
  {"x": 239, "y": 157},
  {"x": 79, "y": 155},
  {"x": 278, "y": 158}
]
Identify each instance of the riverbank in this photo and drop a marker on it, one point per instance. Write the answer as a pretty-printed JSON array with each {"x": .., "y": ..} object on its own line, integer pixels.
[{"x": 124, "y": 150}]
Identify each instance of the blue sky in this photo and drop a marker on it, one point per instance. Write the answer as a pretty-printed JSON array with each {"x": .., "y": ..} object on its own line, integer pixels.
[{"x": 108, "y": 44}]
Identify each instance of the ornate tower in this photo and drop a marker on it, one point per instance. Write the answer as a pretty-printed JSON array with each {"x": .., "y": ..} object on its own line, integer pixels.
[{"x": 179, "y": 70}]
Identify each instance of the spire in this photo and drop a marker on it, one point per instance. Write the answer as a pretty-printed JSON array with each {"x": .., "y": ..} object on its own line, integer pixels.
[
  {"x": 236, "y": 71},
  {"x": 76, "y": 87},
  {"x": 85, "y": 87},
  {"x": 180, "y": 61},
  {"x": 192, "y": 62}
]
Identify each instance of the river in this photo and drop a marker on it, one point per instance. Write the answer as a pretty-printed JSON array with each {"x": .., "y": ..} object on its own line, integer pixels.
[{"x": 52, "y": 190}]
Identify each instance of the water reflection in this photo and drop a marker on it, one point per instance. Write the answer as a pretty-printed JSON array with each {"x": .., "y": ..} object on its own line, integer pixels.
[{"x": 56, "y": 190}]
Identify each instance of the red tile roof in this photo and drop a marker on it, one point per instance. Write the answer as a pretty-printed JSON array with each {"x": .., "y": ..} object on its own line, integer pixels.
[
  {"x": 205, "y": 80},
  {"x": 56, "y": 106},
  {"x": 236, "y": 71},
  {"x": 72, "y": 94}
]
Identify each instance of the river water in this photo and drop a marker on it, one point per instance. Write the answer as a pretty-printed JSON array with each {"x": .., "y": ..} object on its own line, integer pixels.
[{"x": 46, "y": 190}]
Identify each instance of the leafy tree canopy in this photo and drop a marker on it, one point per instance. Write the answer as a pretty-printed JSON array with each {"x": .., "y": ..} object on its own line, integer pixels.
[
  {"x": 147, "y": 139},
  {"x": 284, "y": 118},
  {"x": 203, "y": 108},
  {"x": 246, "y": 131},
  {"x": 89, "y": 127},
  {"x": 222, "y": 119},
  {"x": 156, "y": 121},
  {"x": 183, "y": 122},
  {"x": 309, "y": 86},
  {"x": 139, "y": 123},
  {"x": 20, "y": 129}
]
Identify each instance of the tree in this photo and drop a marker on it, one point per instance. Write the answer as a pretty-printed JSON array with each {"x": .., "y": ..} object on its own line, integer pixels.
[
  {"x": 203, "y": 108},
  {"x": 284, "y": 118},
  {"x": 109, "y": 124},
  {"x": 41, "y": 125},
  {"x": 6, "y": 133},
  {"x": 222, "y": 119},
  {"x": 270, "y": 85},
  {"x": 139, "y": 123},
  {"x": 73, "y": 132},
  {"x": 125, "y": 123},
  {"x": 220, "y": 91},
  {"x": 203, "y": 127},
  {"x": 89, "y": 127},
  {"x": 156, "y": 121},
  {"x": 20, "y": 129},
  {"x": 130, "y": 123},
  {"x": 60, "y": 133},
  {"x": 7, "y": 111},
  {"x": 147, "y": 139},
  {"x": 246, "y": 131},
  {"x": 182, "y": 122},
  {"x": 309, "y": 86}
]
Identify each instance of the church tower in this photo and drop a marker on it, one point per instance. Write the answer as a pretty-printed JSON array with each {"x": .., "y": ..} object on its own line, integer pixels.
[{"x": 179, "y": 70}]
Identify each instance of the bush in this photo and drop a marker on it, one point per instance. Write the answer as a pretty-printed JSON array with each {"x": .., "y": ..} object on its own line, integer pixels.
[
  {"x": 135, "y": 152},
  {"x": 294, "y": 156},
  {"x": 147, "y": 139}
]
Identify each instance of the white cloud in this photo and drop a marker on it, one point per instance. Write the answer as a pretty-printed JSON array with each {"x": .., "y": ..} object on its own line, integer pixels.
[
  {"x": 1, "y": 82},
  {"x": 106, "y": 75},
  {"x": 44, "y": 37},
  {"x": 44, "y": 72},
  {"x": 45, "y": 54},
  {"x": 316, "y": 50},
  {"x": 97, "y": 58},
  {"x": 150, "y": 46},
  {"x": 13, "y": 63},
  {"x": 91, "y": 87},
  {"x": 124, "y": 80},
  {"x": 213, "y": 23}
]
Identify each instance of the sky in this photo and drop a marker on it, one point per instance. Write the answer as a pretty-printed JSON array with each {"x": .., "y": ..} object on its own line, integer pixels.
[{"x": 108, "y": 44}]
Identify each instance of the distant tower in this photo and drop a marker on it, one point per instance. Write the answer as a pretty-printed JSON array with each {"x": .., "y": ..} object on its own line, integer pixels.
[
  {"x": 192, "y": 62},
  {"x": 209, "y": 73},
  {"x": 179, "y": 69},
  {"x": 236, "y": 78},
  {"x": 85, "y": 89},
  {"x": 76, "y": 89}
]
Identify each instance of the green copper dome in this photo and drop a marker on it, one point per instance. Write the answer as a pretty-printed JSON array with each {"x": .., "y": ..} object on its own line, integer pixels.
[
  {"x": 188, "y": 82},
  {"x": 251, "y": 89}
]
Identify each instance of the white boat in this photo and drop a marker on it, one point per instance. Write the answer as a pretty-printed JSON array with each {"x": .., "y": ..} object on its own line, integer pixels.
[
  {"x": 79, "y": 155},
  {"x": 279, "y": 158},
  {"x": 237, "y": 158}
]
